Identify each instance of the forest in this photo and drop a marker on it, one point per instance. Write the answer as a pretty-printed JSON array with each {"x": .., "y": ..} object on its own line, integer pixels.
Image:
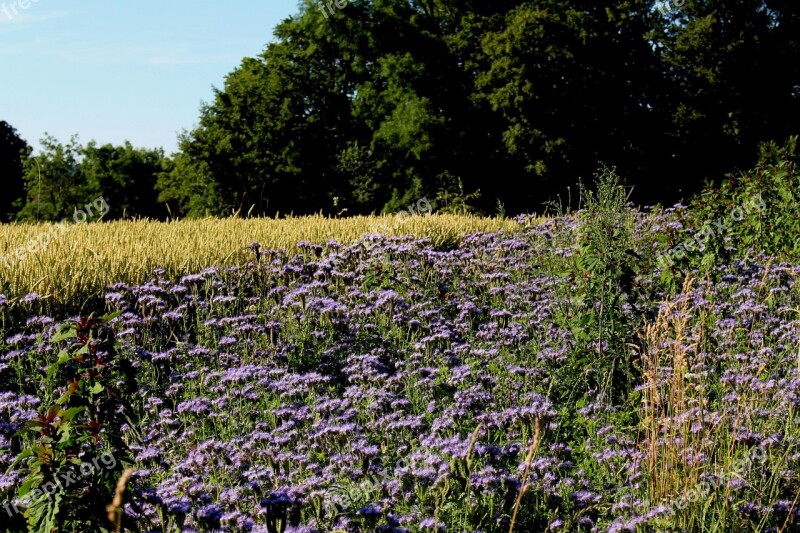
[{"x": 482, "y": 107}]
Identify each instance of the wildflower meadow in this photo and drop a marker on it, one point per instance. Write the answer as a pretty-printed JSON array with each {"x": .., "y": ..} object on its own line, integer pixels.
[{"x": 553, "y": 375}]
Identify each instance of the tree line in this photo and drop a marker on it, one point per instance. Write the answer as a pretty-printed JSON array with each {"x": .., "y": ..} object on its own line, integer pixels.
[{"x": 489, "y": 106}]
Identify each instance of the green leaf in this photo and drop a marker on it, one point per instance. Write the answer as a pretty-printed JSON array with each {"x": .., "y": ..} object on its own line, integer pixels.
[
  {"x": 27, "y": 485},
  {"x": 31, "y": 425},
  {"x": 111, "y": 316},
  {"x": 63, "y": 357},
  {"x": 71, "y": 413},
  {"x": 42, "y": 514},
  {"x": 67, "y": 332},
  {"x": 24, "y": 455},
  {"x": 708, "y": 261}
]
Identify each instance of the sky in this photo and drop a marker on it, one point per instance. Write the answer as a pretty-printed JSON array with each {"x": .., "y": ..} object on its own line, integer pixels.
[{"x": 112, "y": 71}]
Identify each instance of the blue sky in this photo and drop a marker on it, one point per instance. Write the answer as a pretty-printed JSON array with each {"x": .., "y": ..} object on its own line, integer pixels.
[{"x": 114, "y": 71}]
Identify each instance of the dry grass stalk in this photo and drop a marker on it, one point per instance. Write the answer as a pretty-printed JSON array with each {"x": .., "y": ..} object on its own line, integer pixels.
[
  {"x": 525, "y": 486},
  {"x": 665, "y": 398},
  {"x": 114, "y": 509}
]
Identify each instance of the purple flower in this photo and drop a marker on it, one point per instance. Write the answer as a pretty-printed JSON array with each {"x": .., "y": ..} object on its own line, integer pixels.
[{"x": 227, "y": 341}]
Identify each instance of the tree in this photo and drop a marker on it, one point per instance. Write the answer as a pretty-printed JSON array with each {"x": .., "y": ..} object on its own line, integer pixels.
[
  {"x": 268, "y": 141},
  {"x": 65, "y": 177},
  {"x": 364, "y": 106},
  {"x": 126, "y": 177},
  {"x": 384, "y": 101},
  {"x": 55, "y": 187},
  {"x": 575, "y": 82},
  {"x": 389, "y": 100},
  {"x": 13, "y": 151},
  {"x": 734, "y": 70}
]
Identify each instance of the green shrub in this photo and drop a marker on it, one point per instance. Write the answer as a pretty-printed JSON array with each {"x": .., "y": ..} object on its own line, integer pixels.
[
  {"x": 600, "y": 283},
  {"x": 757, "y": 212},
  {"x": 77, "y": 452}
]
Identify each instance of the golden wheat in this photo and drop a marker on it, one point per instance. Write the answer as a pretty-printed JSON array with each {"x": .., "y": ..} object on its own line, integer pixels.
[{"x": 80, "y": 260}]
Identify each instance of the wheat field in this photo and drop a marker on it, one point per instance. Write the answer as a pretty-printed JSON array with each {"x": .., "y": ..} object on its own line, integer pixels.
[{"x": 65, "y": 263}]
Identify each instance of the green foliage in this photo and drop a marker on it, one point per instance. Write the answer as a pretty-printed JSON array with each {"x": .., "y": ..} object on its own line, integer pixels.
[
  {"x": 54, "y": 182},
  {"x": 600, "y": 314},
  {"x": 13, "y": 151},
  {"x": 65, "y": 177},
  {"x": 556, "y": 72},
  {"x": 270, "y": 139},
  {"x": 776, "y": 181},
  {"x": 372, "y": 105},
  {"x": 452, "y": 198},
  {"x": 357, "y": 162},
  {"x": 188, "y": 189},
  {"x": 78, "y": 452},
  {"x": 608, "y": 261},
  {"x": 126, "y": 177},
  {"x": 719, "y": 52},
  {"x": 757, "y": 212}
]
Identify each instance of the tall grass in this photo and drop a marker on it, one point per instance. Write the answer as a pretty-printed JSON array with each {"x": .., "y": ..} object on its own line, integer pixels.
[{"x": 717, "y": 437}]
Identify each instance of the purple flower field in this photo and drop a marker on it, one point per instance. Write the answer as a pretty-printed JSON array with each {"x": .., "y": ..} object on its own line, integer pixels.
[{"x": 389, "y": 386}]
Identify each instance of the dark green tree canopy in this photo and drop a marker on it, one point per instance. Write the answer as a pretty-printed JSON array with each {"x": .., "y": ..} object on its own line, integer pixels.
[
  {"x": 732, "y": 68},
  {"x": 65, "y": 177},
  {"x": 384, "y": 101},
  {"x": 13, "y": 150}
]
